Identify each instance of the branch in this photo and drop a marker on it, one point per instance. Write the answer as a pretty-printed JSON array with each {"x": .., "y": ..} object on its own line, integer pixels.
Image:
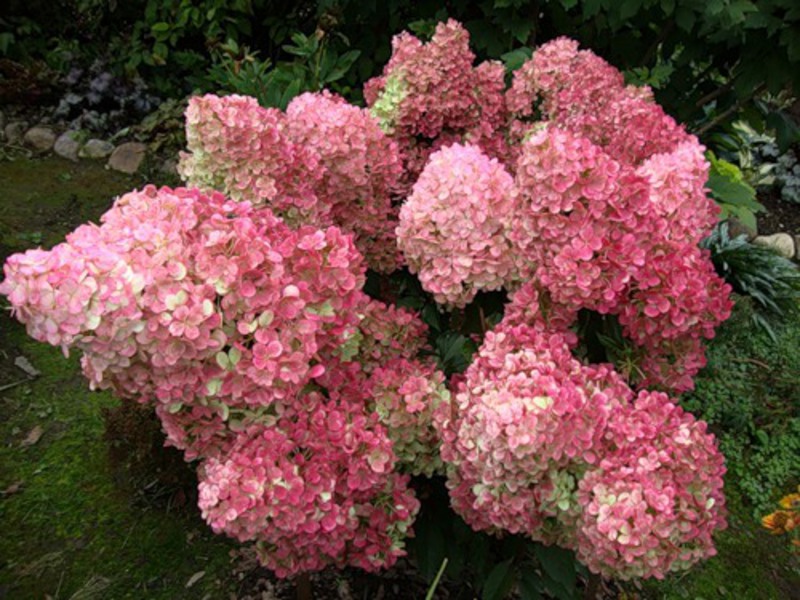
[
  {"x": 665, "y": 31},
  {"x": 715, "y": 94},
  {"x": 727, "y": 113}
]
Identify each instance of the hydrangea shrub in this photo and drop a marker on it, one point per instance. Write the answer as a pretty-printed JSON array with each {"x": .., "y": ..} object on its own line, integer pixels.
[{"x": 236, "y": 308}]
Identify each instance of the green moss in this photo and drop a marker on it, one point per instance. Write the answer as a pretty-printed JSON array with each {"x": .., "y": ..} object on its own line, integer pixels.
[
  {"x": 73, "y": 526},
  {"x": 71, "y": 521}
]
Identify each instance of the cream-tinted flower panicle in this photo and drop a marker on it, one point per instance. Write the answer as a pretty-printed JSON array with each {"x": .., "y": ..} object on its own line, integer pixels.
[
  {"x": 316, "y": 488},
  {"x": 454, "y": 227},
  {"x": 527, "y": 421},
  {"x": 241, "y": 149},
  {"x": 361, "y": 171},
  {"x": 406, "y": 394},
  {"x": 652, "y": 505}
]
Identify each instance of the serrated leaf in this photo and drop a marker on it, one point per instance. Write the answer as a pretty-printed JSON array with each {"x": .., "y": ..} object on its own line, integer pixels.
[
  {"x": 530, "y": 586},
  {"x": 559, "y": 565},
  {"x": 499, "y": 581}
]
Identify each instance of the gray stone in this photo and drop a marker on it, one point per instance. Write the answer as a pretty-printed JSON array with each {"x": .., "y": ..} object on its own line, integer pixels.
[
  {"x": 96, "y": 149},
  {"x": 67, "y": 146},
  {"x": 128, "y": 157},
  {"x": 782, "y": 243},
  {"x": 15, "y": 132},
  {"x": 169, "y": 167},
  {"x": 40, "y": 139}
]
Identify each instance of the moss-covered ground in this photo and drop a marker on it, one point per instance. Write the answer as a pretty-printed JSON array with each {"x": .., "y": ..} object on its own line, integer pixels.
[{"x": 75, "y": 524}]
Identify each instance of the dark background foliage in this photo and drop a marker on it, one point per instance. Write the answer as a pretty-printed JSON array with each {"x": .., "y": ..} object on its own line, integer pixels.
[{"x": 694, "y": 53}]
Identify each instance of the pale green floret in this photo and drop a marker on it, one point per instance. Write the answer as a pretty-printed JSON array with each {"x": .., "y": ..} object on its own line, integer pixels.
[
  {"x": 349, "y": 349},
  {"x": 228, "y": 360},
  {"x": 387, "y": 105},
  {"x": 323, "y": 310},
  {"x": 214, "y": 386},
  {"x": 564, "y": 490}
]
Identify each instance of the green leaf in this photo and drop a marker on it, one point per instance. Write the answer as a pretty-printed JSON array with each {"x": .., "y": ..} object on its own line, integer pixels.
[
  {"x": 429, "y": 543},
  {"x": 787, "y": 132},
  {"x": 6, "y": 40},
  {"x": 628, "y": 8},
  {"x": 499, "y": 581},
  {"x": 516, "y": 58},
  {"x": 530, "y": 586},
  {"x": 559, "y": 565},
  {"x": 343, "y": 65},
  {"x": 685, "y": 18}
]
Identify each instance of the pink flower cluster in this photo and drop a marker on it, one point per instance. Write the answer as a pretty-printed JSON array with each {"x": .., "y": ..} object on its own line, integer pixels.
[
  {"x": 542, "y": 445},
  {"x": 653, "y": 502},
  {"x": 601, "y": 200},
  {"x": 323, "y": 162},
  {"x": 406, "y": 395},
  {"x": 431, "y": 95},
  {"x": 454, "y": 226},
  {"x": 237, "y": 310},
  {"x": 580, "y": 91},
  {"x": 233, "y": 325},
  {"x": 315, "y": 489}
]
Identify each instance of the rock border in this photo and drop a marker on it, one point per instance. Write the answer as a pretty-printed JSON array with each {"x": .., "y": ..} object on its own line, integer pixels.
[{"x": 127, "y": 157}]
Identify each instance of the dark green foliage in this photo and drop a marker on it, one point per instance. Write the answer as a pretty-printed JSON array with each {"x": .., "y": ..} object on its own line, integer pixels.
[
  {"x": 703, "y": 57},
  {"x": 748, "y": 394},
  {"x": 491, "y": 567},
  {"x": 772, "y": 281}
]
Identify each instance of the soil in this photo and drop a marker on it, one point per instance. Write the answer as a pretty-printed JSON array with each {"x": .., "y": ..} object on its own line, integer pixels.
[
  {"x": 92, "y": 509},
  {"x": 781, "y": 216}
]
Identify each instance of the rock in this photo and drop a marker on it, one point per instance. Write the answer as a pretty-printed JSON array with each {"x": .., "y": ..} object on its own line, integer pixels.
[
  {"x": 67, "y": 146},
  {"x": 96, "y": 149},
  {"x": 782, "y": 243},
  {"x": 128, "y": 157},
  {"x": 168, "y": 167},
  {"x": 737, "y": 228},
  {"x": 15, "y": 132},
  {"x": 40, "y": 139}
]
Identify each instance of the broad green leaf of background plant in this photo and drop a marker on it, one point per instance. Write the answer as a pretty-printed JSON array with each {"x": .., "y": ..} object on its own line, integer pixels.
[{"x": 733, "y": 194}]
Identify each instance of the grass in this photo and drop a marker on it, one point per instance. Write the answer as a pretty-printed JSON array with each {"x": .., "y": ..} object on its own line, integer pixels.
[{"x": 78, "y": 525}]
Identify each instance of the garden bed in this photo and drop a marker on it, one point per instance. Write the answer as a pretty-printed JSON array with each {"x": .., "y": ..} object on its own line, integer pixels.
[{"x": 79, "y": 522}]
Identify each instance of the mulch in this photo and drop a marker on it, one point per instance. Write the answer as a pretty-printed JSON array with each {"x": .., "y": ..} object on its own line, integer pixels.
[{"x": 782, "y": 216}]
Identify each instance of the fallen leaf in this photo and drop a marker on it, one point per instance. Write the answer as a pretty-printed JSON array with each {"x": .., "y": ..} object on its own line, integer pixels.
[
  {"x": 24, "y": 364},
  {"x": 12, "y": 489},
  {"x": 194, "y": 579},
  {"x": 34, "y": 435}
]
